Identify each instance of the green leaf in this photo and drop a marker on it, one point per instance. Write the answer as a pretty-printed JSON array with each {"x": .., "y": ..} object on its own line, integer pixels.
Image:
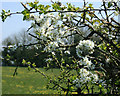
[
  {"x": 3, "y": 10},
  {"x": 105, "y": 48},
  {"x": 36, "y": 2},
  {"x": 71, "y": 88},
  {"x": 8, "y": 56},
  {"x": 29, "y": 68},
  {"x": 8, "y": 11},
  {"x": 87, "y": 18},
  {"x": 28, "y": 63},
  {"x": 90, "y": 5},
  {"x": 47, "y": 7},
  {"x": 77, "y": 9},
  {"x": 31, "y": 4},
  {"x": 23, "y": 61},
  {"x": 26, "y": 14},
  {"x": 24, "y": 18},
  {"x": 67, "y": 65},
  {"x": 33, "y": 65},
  {"x": 116, "y": 9},
  {"x": 56, "y": 6},
  {"x": 4, "y": 14},
  {"x": 36, "y": 69},
  {"x": 109, "y": 4}
]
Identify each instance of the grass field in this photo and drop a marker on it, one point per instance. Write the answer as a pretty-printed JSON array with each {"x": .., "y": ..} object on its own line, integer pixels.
[{"x": 26, "y": 82}]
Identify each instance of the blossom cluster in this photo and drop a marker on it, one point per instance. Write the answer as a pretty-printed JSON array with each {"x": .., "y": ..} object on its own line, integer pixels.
[
  {"x": 51, "y": 47},
  {"x": 86, "y": 62},
  {"x": 85, "y": 47},
  {"x": 85, "y": 76},
  {"x": 51, "y": 31}
]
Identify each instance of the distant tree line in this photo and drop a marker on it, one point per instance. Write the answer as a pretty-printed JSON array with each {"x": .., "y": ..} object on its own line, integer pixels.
[{"x": 15, "y": 50}]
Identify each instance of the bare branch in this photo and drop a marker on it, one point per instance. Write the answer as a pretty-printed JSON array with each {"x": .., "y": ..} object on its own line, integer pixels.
[{"x": 24, "y": 6}]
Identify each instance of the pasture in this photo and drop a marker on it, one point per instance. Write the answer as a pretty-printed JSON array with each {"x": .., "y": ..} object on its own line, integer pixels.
[{"x": 27, "y": 82}]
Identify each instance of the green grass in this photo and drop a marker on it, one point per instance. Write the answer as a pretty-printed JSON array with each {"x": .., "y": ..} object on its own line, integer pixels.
[{"x": 26, "y": 82}]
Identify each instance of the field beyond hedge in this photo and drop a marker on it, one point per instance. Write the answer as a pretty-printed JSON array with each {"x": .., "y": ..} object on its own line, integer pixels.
[{"x": 26, "y": 82}]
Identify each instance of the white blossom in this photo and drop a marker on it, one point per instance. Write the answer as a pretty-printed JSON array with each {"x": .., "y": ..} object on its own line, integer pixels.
[
  {"x": 85, "y": 47},
  {"x": 95, "y": 78},
  {"x": 85, "y": 76},
  {"x": 108, "y": 60},
  {"x": 111, "y": 36},
  {"x": 86, "y": 62},
  {"x": 53, "y": 53},
  {"x": 11, "y": 46},
  {"x": 67, "y": 52},
  {"x": 49, "y": 59}
]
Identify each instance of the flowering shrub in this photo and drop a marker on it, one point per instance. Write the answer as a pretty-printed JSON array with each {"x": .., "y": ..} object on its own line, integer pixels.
[{"x": 80, "y": 63}]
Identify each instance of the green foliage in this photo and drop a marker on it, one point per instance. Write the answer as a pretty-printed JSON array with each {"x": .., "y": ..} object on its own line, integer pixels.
[
  {"x": 70, "y": 7},
  {"x": 91, "y": 5},
  {"x": 34, "y": 4},
  {"x": 23, "y": 62},
  {"x": 26, "y": 14},
  {"x": 5, "y": 14},
  {"x": 56, "y": 6},
  {"x": 109, "y": 4}
]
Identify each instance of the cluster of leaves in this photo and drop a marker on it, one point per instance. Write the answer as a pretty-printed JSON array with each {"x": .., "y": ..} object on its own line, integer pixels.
[{"x": 4, "y": 14}]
